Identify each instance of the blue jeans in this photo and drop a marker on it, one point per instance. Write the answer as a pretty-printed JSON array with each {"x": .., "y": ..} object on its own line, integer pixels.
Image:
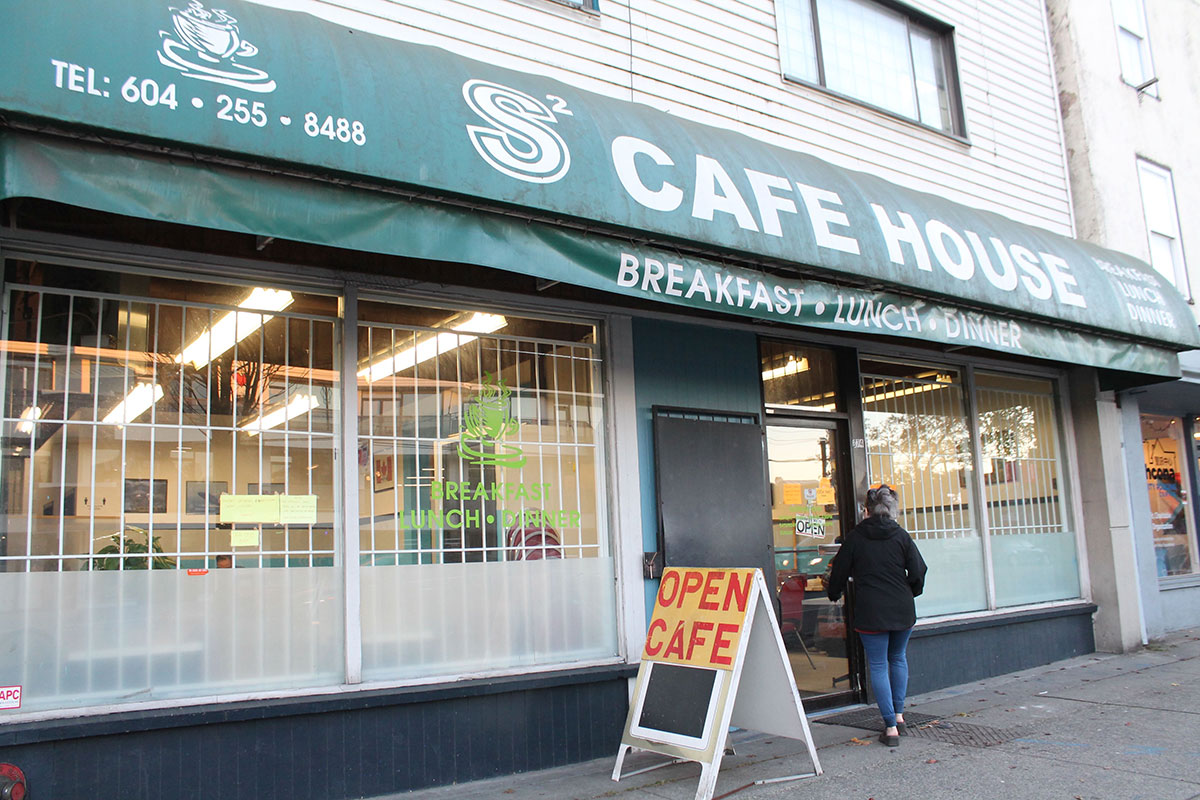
[{"x": 887, "y": 666}]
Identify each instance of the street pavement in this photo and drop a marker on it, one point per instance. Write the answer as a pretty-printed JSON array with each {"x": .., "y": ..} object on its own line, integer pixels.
[{"x": 1096, "y": 727}]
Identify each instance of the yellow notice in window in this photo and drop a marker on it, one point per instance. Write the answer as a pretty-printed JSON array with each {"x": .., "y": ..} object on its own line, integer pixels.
[
  {"x": 825, "y": 493},
  {"x": 250, "y": 508},
  {"x": 793, "y": 494},
  {"x": 243, "y": 537},
  {"x": 298, "y": 509}
]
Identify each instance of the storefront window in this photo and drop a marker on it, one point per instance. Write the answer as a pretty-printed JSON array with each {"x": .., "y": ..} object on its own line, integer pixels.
[
  {"x": 918, "y": 441},
  {"x": 150, "y": 427},
  {"x": 1167, "y": 483},
  {"x": 1033, "y": 546},
  {"x": 800, "y": 378},
  {"x": 483, "y": 533}
]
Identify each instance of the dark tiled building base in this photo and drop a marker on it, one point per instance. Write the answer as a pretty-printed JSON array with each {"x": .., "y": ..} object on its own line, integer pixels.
[
  {"x": 958, "y": 652},
  {"x": 327, "y": 748}
]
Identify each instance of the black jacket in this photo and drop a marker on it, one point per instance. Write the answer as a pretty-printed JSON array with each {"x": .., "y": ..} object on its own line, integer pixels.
[{"x": 888, "y": 573}]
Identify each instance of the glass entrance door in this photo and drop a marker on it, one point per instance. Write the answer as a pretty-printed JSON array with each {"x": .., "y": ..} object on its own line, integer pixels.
[{"x": 808, "y": 513}]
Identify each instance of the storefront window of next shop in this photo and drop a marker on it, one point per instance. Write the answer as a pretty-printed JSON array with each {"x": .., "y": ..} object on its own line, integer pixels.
[
  {"x": 483, "y": 532},
  {"x": 1167, "y": 484},
  {"x": 168, "y": 488}
]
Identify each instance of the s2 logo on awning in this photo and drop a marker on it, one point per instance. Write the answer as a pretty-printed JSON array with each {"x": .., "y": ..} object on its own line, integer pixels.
[{"x": 518, "y": 139}]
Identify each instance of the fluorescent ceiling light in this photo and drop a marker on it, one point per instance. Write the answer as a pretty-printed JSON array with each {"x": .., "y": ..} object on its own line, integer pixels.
[
  {"x": 301, "y": 403},
  {"x": 28, "y": 416},
  {"x": 790, "y": 368},
  {"x": 433, "y": 346},
  {"x": 140, "y": 398},
  {"x": 234, "y": 326},
  {"x": 920, "y": 388}
]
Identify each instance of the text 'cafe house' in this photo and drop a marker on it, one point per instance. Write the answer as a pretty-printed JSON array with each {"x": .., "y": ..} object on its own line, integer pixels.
[{"x": 349, "y": 427}]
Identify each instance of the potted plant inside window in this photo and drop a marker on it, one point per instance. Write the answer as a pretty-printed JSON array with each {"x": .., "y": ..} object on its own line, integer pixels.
[{"x": 137, "y": 554}]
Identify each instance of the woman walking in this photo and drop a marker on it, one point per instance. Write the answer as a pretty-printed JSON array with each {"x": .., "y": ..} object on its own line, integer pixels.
[{"x": 888, "y": 573}]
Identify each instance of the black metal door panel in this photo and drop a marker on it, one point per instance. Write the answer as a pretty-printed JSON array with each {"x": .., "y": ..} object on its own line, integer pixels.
[{"x": 712, "y": 491}]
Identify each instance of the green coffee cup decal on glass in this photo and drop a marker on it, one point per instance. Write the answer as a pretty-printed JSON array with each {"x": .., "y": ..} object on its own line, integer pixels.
[{"x": 486, "y": 420}]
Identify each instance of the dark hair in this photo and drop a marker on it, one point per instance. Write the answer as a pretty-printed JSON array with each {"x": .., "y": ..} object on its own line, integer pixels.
[{"x": 883, "y": 502}]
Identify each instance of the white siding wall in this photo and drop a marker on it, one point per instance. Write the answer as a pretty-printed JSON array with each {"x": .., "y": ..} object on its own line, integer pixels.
[{"x": 717, "y": 62}]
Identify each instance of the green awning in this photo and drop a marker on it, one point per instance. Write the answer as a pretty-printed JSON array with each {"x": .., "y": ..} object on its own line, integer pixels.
[
  {"x": 285, "y": 88},
  {"x": 183, "y": 191}
]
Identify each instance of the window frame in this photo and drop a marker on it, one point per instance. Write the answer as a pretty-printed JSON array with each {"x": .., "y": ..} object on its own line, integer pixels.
[
  {"x": 166, "y": 694},
  {"x": 371, "y": 670},
  {"x": 1188, "y": 467},
  {"x": 184, "y": 265},
  {"x": 1181, "y": 280},
  {"x": 1066, "y": 466},
  {"x": 1148, "y": 82},
  {"x": 590, "y": 6},
  {"x": 157, "y": 419},
  {"x": 968, "y": 369},
  {"x": 937, "y": 29},
  {"x": 1062, "y": 474}
]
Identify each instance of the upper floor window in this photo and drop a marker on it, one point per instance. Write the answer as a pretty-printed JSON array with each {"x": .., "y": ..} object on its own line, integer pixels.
[
  {"x": 1162, "y": 224},
  {"x": 1133, "y": 44},
  {"x": 872, "y": 52}
]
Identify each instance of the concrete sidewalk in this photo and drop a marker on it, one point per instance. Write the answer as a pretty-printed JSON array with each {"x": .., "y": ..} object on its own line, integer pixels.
[{"x": 1098, "y": 727}]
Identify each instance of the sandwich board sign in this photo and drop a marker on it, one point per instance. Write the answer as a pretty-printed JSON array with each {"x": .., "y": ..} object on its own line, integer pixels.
[{"x": 713, "y": 658}]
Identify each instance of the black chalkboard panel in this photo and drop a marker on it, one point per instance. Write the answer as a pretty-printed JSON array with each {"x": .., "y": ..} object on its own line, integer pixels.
[{"x": 677, "y": 699}]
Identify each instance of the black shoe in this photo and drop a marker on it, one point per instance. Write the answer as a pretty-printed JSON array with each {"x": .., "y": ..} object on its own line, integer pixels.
[
  {"x": 890, "y": 741},
  {"x": 902, "y": 728}
]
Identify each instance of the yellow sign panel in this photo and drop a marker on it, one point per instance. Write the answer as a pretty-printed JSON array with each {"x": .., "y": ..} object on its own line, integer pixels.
[
  {"x": 243, "y": 537},
  {"x": 250, "y": 508},
  {"x": 825, "y": 493},
  {"x": 698, "y": 616},
  {"x": 298, "y": 509},
  {"x": 793, "y": 494}
]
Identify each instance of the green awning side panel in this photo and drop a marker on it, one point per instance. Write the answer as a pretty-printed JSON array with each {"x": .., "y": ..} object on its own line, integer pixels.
[
  {"x": 289, "y": 88},
  {"x": 238, "y": 200}
]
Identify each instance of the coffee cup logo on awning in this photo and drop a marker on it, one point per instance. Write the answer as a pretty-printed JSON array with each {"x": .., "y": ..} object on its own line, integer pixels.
[
  {"x": 518, "y": 140},
  {"x": 206, "y": 45}
]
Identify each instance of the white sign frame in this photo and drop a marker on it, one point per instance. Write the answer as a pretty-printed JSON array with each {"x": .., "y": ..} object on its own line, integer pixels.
[{"x": 650, "y": 734}]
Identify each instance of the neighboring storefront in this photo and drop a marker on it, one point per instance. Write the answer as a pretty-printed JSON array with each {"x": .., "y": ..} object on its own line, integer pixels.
[
  {"x": 334, "y": 417},
  {"x": 1163, "y": 478}
]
